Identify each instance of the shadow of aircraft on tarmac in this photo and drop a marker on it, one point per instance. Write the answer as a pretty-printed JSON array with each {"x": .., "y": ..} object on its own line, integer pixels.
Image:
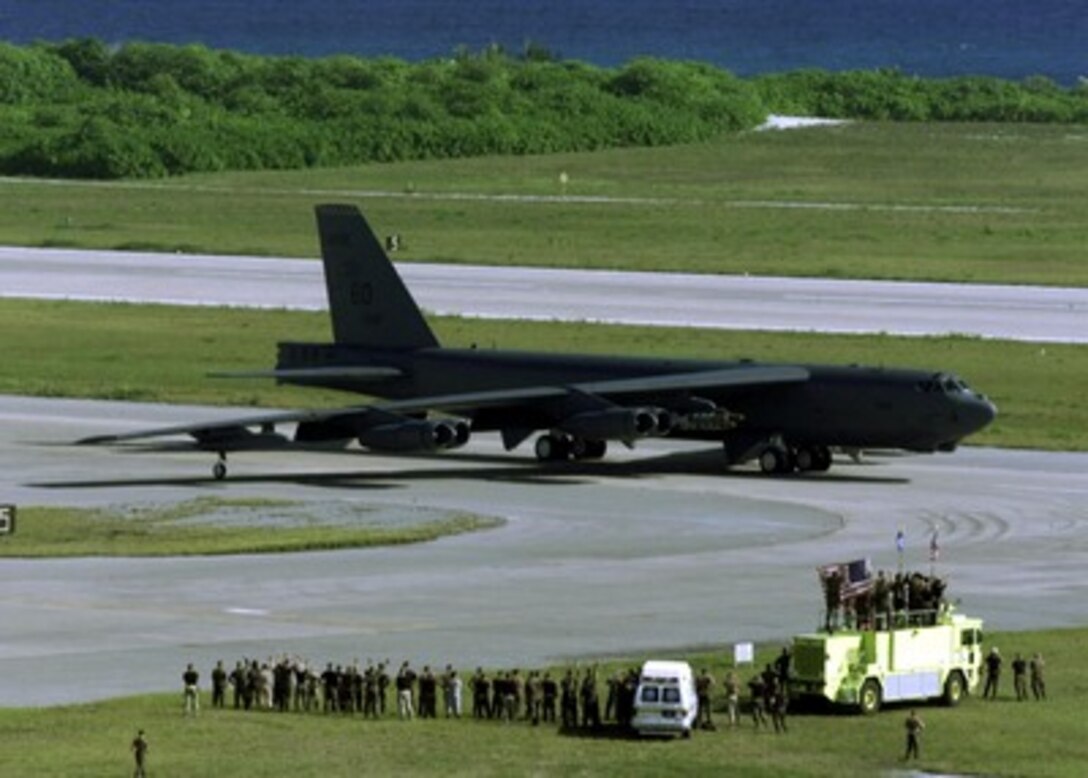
[{"x": 488, "y": 468}]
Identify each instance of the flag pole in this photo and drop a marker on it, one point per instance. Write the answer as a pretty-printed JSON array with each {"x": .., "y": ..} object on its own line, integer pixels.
[{"x": 934, "y": 553}]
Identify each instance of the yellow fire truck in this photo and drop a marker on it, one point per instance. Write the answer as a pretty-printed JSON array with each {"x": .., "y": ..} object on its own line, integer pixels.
[{"x": 921, "y": 656}]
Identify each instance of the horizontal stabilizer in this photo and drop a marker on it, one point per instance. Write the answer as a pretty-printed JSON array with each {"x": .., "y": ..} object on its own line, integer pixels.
[{"x": 355, "y": 373}]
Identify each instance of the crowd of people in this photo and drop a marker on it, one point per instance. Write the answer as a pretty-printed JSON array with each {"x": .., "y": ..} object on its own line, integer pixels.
[
  {"x": 574, "y": 699},
  {"x": 1020, "y": 669},
  {"x": 883, "y": 602},
  {"x": 571, "y": 699}
]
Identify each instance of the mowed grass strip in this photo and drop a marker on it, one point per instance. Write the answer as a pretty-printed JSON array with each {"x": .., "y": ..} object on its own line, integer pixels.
[
  {"x": 163, "y": 353},
  {"x": 155, "y": 530},
  {"x": 1001, "y": 203},
  {"x": 997, "y": 738}
]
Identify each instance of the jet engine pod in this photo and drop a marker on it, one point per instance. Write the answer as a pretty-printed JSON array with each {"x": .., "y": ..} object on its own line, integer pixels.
[
  {"x": 415, "y": 435},
  {"x": 461, "y": 432},
  {"x": 616, "y": 423},
  {"x": 664, "y": 420}
]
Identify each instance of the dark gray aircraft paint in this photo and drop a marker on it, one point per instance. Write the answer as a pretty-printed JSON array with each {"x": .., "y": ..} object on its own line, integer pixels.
[{"x": 788, "y": 417}]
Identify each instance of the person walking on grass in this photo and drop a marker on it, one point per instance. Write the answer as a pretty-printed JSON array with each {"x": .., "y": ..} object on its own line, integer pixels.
[
  {"x": 914, "y": 726},
  {"x": 139, "y": 753},
  {"x": 191, "y": 678},
  {"x": 1038, "y": 683}
]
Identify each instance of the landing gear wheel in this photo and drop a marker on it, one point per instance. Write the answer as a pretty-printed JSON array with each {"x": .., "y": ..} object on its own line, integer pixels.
[
  {"x": 814, "y": 459},
  {"x": 953, "y": 690},
  {"x": 596, "y": 449},
  {"x": 552, "y": 448},
  {"x": 870, "y": 697},
  {"x": 580, "y": 448},
  {"x": 775, "y": 460},
  {"x": 219, "y": 469}
]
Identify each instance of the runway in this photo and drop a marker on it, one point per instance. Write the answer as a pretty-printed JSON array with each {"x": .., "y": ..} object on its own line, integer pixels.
[
  {"x": 1044, "y": 314},
  {"x": 651, "y": 549}
]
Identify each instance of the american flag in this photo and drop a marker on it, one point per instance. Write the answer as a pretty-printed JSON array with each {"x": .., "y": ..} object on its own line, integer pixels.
[
  {"x": 856, "y": 577},
  {"x": 934, "y": 548}
]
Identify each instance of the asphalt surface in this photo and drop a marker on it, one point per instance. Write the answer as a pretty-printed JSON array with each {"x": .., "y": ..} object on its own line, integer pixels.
[
  {"x": 1045, "y": 314},
  {"x": 655, "y": 548}
]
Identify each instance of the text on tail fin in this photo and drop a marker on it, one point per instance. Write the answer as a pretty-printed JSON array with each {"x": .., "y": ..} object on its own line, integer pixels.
[{"x": 369, "y": 304}]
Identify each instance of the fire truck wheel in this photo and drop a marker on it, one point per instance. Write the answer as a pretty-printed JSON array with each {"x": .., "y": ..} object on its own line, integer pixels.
[
  {"x": 869, "y": 698},
  {"x": 953, "y": 690}
]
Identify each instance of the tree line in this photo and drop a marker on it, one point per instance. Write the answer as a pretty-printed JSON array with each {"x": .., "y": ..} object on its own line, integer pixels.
[{"x": 82, "y": 109}]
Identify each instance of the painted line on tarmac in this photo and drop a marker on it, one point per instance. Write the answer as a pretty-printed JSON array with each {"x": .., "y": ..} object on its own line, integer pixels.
[
  {"x": 246, "y": 611},
  {"x": 380, "y": 194}
]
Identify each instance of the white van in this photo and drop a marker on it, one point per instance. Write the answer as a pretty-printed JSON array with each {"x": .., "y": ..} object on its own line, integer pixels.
[{"x": 665, "y": 703}]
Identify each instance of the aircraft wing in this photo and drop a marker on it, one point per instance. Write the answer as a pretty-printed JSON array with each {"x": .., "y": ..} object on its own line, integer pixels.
[
  {"x": 724, "y": 378},
  {"x": 212, "y": 428},
  {"x": 235, "y": 432}
]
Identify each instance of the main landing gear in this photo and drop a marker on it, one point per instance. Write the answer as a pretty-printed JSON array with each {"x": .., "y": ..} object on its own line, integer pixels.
[
  {"x": 779, "y": 459},
  {"x": 556, "y": 447}
]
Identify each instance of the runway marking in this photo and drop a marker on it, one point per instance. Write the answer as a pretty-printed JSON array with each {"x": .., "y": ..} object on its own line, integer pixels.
[
  {"x": 381, "y": 194},
  {"x": 246, "y": 611}
]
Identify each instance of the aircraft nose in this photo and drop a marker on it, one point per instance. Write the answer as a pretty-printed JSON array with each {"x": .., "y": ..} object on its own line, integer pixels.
[{"x": 978, "y": 413}]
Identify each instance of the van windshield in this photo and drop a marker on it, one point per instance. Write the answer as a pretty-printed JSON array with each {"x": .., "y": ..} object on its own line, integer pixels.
[
  {"x": 672, "y": 694},
  {"x": 650, "y": 693}
]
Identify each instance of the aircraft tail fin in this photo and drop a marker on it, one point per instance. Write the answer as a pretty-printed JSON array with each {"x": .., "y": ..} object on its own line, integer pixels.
[{"x": 369, "y": 304}]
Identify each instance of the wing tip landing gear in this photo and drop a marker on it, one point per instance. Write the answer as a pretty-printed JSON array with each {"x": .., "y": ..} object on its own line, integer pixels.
[{"x": 219, "y": 469}]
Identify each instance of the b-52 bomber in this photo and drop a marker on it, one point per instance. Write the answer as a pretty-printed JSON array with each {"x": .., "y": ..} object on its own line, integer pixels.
[{"x": 787, "y": 417}]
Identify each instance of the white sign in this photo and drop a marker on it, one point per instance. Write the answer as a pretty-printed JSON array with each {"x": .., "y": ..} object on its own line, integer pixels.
[{"x": 744, "y": 653}]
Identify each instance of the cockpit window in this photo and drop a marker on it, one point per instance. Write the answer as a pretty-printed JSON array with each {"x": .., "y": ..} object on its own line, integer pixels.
[{"x": 943, "y": 383}]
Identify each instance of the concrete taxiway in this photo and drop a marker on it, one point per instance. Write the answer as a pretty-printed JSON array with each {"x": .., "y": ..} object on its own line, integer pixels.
[
  {"x": 1050, "y": 314},
  {"x": 648, "y": 549}
]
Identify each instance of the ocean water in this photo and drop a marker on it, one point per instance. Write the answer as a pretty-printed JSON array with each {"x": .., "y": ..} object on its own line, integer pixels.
[{"x": 1007, "y": 38}]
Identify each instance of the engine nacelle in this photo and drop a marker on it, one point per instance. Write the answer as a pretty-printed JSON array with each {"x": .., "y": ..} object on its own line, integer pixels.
[
  {"x": 618, "y": 423},
  {"x": 415, "y": 435},
  {"x": 334, "y": 430}
]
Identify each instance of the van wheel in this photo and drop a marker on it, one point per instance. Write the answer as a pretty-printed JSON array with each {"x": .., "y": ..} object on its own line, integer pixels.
[
  {"x": 869, "y": 699},
  {"x": 686, "y": 734},
  {"x": 953, "y": 689}
]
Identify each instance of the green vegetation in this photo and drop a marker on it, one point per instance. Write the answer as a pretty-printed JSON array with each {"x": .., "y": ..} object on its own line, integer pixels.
[
  {"x": 161, "y": 354},
  {"x": 890, "y": 94},
  {"x": 208, "y": 526},
  {"x": 79, "y": 109},
  {"x": 1002, "y": 738},
  {"x": 948, "y": 202}
]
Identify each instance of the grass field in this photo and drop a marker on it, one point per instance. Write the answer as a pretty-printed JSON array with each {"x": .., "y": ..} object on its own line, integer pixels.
[
  {"x": 975, "y": 202},
  {"x": 161, "y": 354},
  {"x": 994, "y": 203},
  {"x": 999, "y": 738},
  {"x": 213, "y": 526}
]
